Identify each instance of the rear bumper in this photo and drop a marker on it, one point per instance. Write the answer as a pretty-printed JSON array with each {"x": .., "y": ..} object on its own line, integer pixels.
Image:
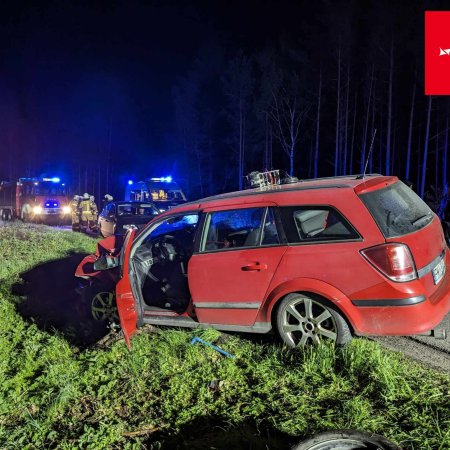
[{"x": 408, "y": 315}]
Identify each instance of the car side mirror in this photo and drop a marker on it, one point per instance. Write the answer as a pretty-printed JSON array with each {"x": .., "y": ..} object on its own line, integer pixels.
[{"x": 106, "y": 262}]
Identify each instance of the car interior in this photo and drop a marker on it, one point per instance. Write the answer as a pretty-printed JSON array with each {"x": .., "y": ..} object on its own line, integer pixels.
[{"x": 161, "y": 263}]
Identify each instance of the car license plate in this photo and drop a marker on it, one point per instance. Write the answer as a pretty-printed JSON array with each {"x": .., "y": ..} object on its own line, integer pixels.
[{"x": 439, "y": 271}]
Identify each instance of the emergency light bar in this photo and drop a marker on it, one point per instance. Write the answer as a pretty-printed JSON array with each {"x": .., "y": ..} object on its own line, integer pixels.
[
  {"x": 163, "y": 179},
  {"x": 53, "y": 180}
]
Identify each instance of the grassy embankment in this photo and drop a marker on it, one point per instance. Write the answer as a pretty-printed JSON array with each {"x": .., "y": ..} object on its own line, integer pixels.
[{"x": 54, "y": 395}]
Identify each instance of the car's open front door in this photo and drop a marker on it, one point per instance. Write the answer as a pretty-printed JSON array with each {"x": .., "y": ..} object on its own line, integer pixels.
[{"x": 126, "y": 303}]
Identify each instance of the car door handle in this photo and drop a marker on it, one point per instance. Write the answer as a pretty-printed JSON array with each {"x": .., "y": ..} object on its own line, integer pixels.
[{"x": 254, "y": 266}]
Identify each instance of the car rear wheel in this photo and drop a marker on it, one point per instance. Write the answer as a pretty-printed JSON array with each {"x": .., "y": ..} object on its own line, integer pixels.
[
  {"x": 346, "y": 440},
  {"x": 302, "y": 321},
  {"x": 102, "y": 303}
]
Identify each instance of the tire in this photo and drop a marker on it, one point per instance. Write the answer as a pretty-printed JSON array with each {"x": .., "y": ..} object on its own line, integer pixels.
[
  {"x": 303, "y": 320},
  {"x": 101, "y": 303},
  {"x": 346, "y": 440}
]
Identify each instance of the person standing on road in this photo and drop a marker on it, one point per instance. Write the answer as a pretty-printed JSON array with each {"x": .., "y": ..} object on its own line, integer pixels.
[{"x": 75, "y": 212}]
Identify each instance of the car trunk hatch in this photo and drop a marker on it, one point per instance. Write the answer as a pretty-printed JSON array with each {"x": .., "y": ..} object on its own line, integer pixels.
[{"x": 403, "y": 217}]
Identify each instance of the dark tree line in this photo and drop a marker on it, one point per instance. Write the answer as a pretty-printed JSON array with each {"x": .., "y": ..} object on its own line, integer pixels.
[
  {"x": 306, "y": 96},
  {"x": 313, "y": 103}
]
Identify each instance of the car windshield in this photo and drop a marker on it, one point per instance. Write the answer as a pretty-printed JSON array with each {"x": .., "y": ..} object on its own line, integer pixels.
[
  {"x": 136, "y": 209},
  {"x": 397, "y": 210}
]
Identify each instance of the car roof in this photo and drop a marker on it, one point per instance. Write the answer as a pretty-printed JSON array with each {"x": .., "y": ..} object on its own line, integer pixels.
[
  {"x": 357, "y": 183},
  {"x": 125, "y": 202}
]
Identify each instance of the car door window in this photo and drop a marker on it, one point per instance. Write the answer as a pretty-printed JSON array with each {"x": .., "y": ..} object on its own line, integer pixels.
[
  {"x": 160, "y": 259},
  {"x": 315, "y": 223},
  {"x": 237, "y": 228}
]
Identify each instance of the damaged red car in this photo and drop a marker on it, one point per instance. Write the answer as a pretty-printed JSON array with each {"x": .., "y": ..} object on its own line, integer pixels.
[{"x": 314, "y": 260}]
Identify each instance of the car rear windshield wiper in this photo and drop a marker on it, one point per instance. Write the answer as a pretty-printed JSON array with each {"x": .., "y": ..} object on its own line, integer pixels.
[{"x": 422, "y": 220}]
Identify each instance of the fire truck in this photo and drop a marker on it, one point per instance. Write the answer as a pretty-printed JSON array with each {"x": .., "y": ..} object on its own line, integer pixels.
[
  {"x": 35, "y": 200},
  {"x": 163, "y": 192}
]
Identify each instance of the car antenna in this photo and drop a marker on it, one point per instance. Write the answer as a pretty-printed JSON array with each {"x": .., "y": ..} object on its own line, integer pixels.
[{"x": 359, "y": 177}]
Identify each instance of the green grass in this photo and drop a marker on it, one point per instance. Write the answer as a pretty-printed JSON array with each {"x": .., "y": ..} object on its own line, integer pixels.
[{"x": 53, "y": 395}]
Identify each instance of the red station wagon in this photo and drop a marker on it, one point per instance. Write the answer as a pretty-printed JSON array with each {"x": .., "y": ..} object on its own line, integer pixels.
[{"x": 314, "y": 260}]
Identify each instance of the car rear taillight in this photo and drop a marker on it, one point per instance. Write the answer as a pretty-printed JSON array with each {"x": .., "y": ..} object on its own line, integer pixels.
[{"x": 392, "y": 260}]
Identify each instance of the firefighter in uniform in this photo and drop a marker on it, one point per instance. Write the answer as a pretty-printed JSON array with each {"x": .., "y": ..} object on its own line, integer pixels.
[
  {"x": 87, "y": 215},
  {"x": 94, "y": 210},
  {"x": 75, "y": 212}
]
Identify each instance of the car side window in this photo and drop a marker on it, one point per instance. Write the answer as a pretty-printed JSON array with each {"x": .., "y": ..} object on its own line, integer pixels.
[
  {"x": 237, "y": 228},
  {"x": 315, "y": 223}
]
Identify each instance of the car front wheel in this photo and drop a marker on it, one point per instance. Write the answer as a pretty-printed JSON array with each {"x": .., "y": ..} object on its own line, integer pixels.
[
  {"x": 102, "y": 303},
  {"x": 302, "y": 321}
]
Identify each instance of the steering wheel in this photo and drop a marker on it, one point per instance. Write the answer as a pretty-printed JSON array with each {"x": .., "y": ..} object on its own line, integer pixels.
[{"x": 167, "y": 247}]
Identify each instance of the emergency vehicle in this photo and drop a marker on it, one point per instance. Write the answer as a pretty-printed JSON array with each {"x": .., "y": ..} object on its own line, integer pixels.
[
  {"x": 163, "y": 192},
  {"x": 34, "y": 200}
]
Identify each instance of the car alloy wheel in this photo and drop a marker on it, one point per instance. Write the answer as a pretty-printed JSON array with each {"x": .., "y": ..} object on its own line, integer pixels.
[
  {"x": 346, "y": 440},
  {"x": 302, "y": 320},
  {"x": 103, "y": 307}
]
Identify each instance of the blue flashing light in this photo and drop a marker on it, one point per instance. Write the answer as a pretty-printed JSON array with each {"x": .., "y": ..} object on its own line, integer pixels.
[
  {"x": 163, "y": 179},
  {"x": 130, "y": 182},
  {"x": 53, "y": 180}
]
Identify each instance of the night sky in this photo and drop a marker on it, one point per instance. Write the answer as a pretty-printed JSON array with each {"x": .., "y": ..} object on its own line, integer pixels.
[{"x": 83, "y": 83}]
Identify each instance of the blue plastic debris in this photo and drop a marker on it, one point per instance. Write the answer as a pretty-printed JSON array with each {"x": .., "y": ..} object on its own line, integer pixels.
[{"x": 215, "y": 347}]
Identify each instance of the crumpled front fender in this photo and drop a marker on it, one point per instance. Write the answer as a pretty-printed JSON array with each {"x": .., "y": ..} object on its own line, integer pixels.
[{"x": 86, "y": 268}]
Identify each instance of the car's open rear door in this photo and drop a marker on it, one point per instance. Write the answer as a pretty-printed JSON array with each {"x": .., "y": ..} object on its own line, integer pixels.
[{"x": 126, "y": 303}]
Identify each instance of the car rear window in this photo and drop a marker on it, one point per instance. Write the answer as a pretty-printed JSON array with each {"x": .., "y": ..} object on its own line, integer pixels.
[
  {"x": 397, "y": 210},
  {"x": 135, "y": 209},
  {"x": 315, "y": 223}
]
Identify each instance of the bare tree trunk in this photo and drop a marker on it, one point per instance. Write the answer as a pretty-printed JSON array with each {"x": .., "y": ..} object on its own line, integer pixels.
[
  {"x": 411, "y": 117},
  {"x": 363, "y": 146},
  {"x": 436, "y": 160},
  {"x": 199, "y": 168},
  {"x": 99, "y": 189},
  {"x": 444, "y": 163},
  {"x": 394, "y": 137},
  {"x": 336, "y": 153},
  {"x": 444, "y": 201},
  {"x": 372, "y": 131},
  {"x": 380, "y": 150},
  {"x": 316, "y": 151},
  {"x": 344, "y": 171},
  {"x": 353, "y": 134},
  {"x": 418, "y": 161},
  {"x": 108, "y": 158},
  {"x": 425, "y": 150},
  {"x": 310, "y": 159},
  {"x": 388, "y": 131},
  {"x": 241, "y": 147}
]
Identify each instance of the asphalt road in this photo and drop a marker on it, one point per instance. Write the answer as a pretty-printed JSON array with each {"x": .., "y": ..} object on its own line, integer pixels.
[{"x": 428, "y": 350}]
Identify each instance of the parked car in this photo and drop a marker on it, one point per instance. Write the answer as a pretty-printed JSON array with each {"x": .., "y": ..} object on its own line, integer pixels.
[
  {"x": 315, "y": 260},
  {"x": 116, "y": 216}
]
